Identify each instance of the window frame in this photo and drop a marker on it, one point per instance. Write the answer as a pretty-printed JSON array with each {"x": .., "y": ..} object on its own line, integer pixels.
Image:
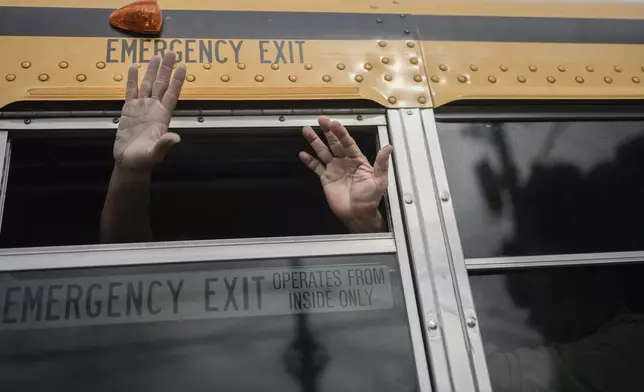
[{"x": 84, "y": 256}]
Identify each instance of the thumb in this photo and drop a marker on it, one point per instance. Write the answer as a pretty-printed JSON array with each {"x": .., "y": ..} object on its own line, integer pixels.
[
  {"x": 381, "y": 166},
  {"x": 164, "y": 144}
]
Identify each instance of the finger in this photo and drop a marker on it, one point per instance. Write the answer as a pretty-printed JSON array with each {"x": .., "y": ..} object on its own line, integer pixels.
[
  {"x": 349, "y": 145},
  {"x": 312, "y": 163},
  {"x": 164, "y": 144},
  {"x": 321, "y": 150},
  {"x": 148, "y": 80},
  {"x": 162, "y": 81},
  {"x": 171, "y": 96},
  {"x": 334, "y": 143},
  {"x": 381, "y": 166},
  {"x": 132, "y": 86}
]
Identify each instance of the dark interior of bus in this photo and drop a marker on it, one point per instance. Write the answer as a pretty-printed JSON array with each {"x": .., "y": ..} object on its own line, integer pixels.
[{"x": 220, "y": 184}]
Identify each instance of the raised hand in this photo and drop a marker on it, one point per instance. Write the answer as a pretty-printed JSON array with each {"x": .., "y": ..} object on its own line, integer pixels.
[
  {"x": 353, "y": 188},
  {"x": 142, "y": 139}
]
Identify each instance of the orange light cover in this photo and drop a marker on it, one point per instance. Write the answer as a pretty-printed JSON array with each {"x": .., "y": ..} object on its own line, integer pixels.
[{"x": 142, "y": 17}]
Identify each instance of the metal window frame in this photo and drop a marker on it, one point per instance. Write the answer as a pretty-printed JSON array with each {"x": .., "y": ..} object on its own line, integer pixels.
[
  {"x": 560, "y": 260},
  {"x": 209, "y": 122},
  {"x": 45, "y": 258},
  {"x": 449, "y": 348},
  {"x": 5, "y": 161}
]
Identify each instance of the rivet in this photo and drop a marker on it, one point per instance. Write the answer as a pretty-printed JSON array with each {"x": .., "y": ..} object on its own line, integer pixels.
[
  {"x": 413, "y": 60},
  {"x": 207, "y": 66},
  {"x": 378, "y": 20},
  {"x": 25, "y": 64},
  {"x": 561, "y": 68},
  {"x": 341, "y": 66},
  {"x": 401, "y": 15},
  {"x": 292, "y": 78},
  {"x": 191, "y": 78},
  {"x": 100, "y": 65},
  {"x": 259, "y": 78},
  {"x": 551, "y": 79},
  {"x": 382, "y": 44},
  {"x": 407, "y": 31},
  {"x": 43, "y": 77},
  {"x": 275, "y": 66},
  {"x": 533, "y": 68},
  {"x": 422, "y": 100},
  {"x": 81, "y": 77},
  {"x": 432, "y": 325},
  {"x": 308, "y": 67},
  {"x": 590, "y": 68},
  {"x": 474, "y": 67},
  {"x": 359, "y": 78},
  {"x": 326, "y": 78},
  {"x": 491, "y": 79},
  {"x": 241, "y": 66},
  {"x": 282, "y": 118},
  {"x": 443, "y": 67},
  {"x": 116, "y": 120},
  {"x": 368, "y": 67},
  {"x": 462, "y": 78},
  {"x": 118, "y": 78},
  {"x": 408, "y": 199},
  {"x": 579, "y": 79},
  {"x": 388, "y": 78},
  {"x": 521, "y": 79},
  {"x": 201, "y": 119},
  {"x": 225, "y": 78},
  {"x": 411, "y": 44},
  {"x": 635, "y": 79},
  {"x": 385, "y": 60},
  {"x": 608, "y": 80},
  {"x": 445, "y": 196},
  {"x": 435, "y": 79},
  {"x": 63, "y": 64},
  {"x": 10, "y": 77},
  {"x": 503, "y": 68},
  {"x": 392, "y": 100},
  {"x": 618, "y": 68},
  {"x": 471, "y": 322},
  {"x": 418, "y": 78}
]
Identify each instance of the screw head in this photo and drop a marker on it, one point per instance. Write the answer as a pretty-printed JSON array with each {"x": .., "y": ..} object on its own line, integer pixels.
[
  {"x": 432, "y": 325},
  {"x": 445, "y": 196},
  {"x": 407, "y": 31},
  {"x": 471, "y": 322},
  {"x": 27, "y": 121},
  {"x": 201, "y": 119},
  {"x": 116, "y": 120},
  {"x": 408, "y": 199},
  {"x": 378, "y": 20},
  {"x": 359, "y": 117},
  {"x": 410, "y": 112},
  {"x": 282, "y": 118}
]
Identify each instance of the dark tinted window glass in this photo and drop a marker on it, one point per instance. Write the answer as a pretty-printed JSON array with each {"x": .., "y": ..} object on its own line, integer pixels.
[
  {"x": 545, "y": 187},
  {"x": 563, "y": 329},
  {"x": 319, "y": 324},
  {"x": 213, "y": 185}
]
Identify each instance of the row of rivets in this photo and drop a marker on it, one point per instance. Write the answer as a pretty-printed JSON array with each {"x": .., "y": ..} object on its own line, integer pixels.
[
  {"x": 521, "y": 79},
  {"x": 532, "y": 68}
]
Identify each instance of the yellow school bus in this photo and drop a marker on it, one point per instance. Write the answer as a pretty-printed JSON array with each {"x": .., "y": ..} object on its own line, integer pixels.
[{"x": 511, "y": 260}]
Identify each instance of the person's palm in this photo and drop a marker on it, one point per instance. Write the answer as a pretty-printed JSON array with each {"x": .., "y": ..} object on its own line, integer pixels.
[
  {"x": 142, "y": 139},
  {"x": 352, "y": 186}
]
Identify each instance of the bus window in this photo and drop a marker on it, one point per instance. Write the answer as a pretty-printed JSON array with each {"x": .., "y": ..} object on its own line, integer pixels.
[
  {"x": 298, "y": 324},
  {"x": 537, "y": 188},
  {"x": 563, "y": 328},
  {"x": 216, "y": 184}
]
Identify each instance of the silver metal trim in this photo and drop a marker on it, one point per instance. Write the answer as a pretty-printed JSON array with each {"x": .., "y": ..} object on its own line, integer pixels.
[
  {"x": 411, "y": 304},
  {"x": 447, "y": 343},
  {"x": 191, "y": 251},
  {"x": 5, "y": 161},
  {"x": 193, "y": 123},
  {"x": 493, "y": 263},
  {"x": 456, "y": 251}
]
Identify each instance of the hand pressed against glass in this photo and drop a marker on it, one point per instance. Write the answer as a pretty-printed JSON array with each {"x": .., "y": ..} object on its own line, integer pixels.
[
  {"x": 143, "y": 139},
  {"x": 353, "y": 187}
]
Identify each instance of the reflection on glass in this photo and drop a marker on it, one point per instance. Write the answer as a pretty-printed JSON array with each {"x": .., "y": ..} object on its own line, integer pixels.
[
  {"x": 546, "y": 188},
  {"x": 563, "y": 329},
  {"x": 306, "y": 325}
]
